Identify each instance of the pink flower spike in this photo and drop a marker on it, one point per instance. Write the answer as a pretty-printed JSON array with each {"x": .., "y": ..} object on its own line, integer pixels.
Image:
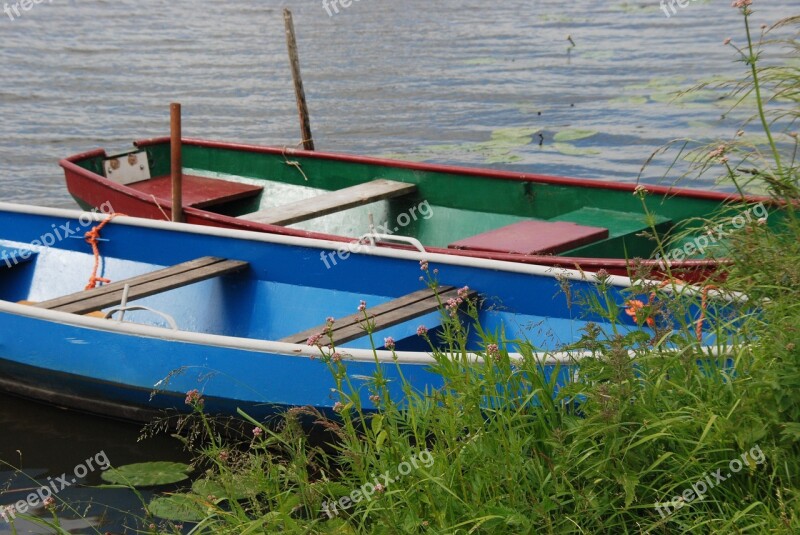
[
  {"x": 388, "y": 342},
  {"x": 193, "y": 397},
  {"x": 314, "y": 340},
  {"x": 727, "y": 41},
  {"x": 423, "y": 265},
  {"x": 422, "y": 330},
  {"x": 338, "y": 406},
  {"x": 463, "y": 292},
  {"x": 257, "y": 431},
  {"x": 363, "y": 306}
]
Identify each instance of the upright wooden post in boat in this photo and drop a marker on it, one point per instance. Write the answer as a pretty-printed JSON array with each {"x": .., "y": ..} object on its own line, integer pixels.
[
  {"x": 176, "y": 164},
  {"x": 294, "y": 60}
]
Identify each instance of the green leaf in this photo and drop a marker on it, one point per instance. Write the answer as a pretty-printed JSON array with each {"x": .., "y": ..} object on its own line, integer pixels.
[
  {"x": 147, "y": 474},
  {"x": 238, "y": 488},
  {"x": 572, "y": 134},
  {"x": 178, "y": 508},
  {"x": 572, "y": 150}
]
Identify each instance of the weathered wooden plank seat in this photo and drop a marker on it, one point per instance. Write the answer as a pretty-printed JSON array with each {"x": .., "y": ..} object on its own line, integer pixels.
[
  {"x": 384, "y": 316},
  {"x": 198, "y": 191},
  {"x": 533, "y": 237},
  {"x": 144, "y": 285},
  {"x": 331, "y": 202}
]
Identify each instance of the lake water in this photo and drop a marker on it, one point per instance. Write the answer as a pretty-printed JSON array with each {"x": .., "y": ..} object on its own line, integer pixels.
[{"x": 495, "y": 84}]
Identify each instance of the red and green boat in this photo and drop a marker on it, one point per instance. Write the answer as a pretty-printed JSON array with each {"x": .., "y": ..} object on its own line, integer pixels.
[{"x": 482, "y": 213}]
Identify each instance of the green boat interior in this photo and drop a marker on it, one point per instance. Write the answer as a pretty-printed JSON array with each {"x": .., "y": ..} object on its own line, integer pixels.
[{"x": 440, "y": 209}]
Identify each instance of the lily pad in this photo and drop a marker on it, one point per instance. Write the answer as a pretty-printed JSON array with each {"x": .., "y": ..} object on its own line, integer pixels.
[
  {"x": 571, "y": 150},
  {"x": 239, "y": 489},
  {"x": 178, "y": 508},
  {"x": 521, "y": 135},
  {"x": 479, "y": 61},
  {"x": 633, "y": 100},
  {"x": 572, "y": 134},
  {"x": 148, "y": 474}
]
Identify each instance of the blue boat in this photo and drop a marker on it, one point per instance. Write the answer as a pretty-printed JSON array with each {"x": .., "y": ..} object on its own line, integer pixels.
[{"x": 178, "y": 308}]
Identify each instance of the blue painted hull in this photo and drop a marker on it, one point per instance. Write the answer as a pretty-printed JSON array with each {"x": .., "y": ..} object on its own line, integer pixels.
[{"x": 226, "y": 325}]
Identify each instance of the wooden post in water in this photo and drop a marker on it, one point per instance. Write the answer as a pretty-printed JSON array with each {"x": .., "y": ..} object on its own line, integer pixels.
[
  {"x": 176, "y": 161},
  {"x": 294, "y": 61}
]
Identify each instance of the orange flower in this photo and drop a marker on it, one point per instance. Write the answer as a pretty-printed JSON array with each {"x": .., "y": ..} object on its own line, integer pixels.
[{"x": 634, "y": 306}]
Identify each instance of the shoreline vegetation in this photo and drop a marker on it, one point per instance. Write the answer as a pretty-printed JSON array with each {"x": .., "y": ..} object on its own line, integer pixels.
[{"x": 652, "y": 435}]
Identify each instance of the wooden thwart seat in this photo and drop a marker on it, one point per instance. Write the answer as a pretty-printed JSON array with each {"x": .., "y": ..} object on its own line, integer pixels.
[
  {"x": 144, "y": 285},
  {"x": 328, "y": 203},
  {"x": 386, "y": 315},
  {"x": 198, "y": 191}
]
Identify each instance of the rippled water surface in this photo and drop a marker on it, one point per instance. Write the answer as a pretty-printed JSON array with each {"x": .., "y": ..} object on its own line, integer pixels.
[{"x": 495, "y": 84}]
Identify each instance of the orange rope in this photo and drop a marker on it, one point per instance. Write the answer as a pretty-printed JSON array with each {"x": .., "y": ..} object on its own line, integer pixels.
[
  {"x": 91, "y": 238},
  {"x": 703, "y": 307},
  {"x": 634, "y": 305}
]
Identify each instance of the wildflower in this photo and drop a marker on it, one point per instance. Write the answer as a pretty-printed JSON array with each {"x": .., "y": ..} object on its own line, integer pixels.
[
  {"x": 727, "y": 41},
  {"x": 336, "y": 357},
  {"x": 380, "y": 488},
  {"x": 602, "y": 275},
  {"x": 452, "y": 306},
  {"x": 718, "y": 152},
  {"x": 389, "y": 343},
  {"x": 330, "y": 321},
  {"x": 257, "y": 432},
  {"x": 640, "y": 190},
  {"x": 314, "y": 340},
  {"x": 435, "y": 271},
  {"x": 741, "y": 3},
  {"x": 463, "y": 292},
  {"x": 49, "y": 503},
  {"x": 634, "y": 306},
  {"x": 740, "y": 133},
  {"x": 422, "y": 331},
  {"x": 224, "y": 456},
  {"x": 423, "y": 265},
  {"x": 338, "y": 406},
  {"x": 493, "y": 351},
  {"x": 762, "y": 220},
  {"x": 375, "y": 399},
  {"x": 193, "y": 397},
  {"x": 363, "y": 306},
  {"x": 724, "y": 159}
]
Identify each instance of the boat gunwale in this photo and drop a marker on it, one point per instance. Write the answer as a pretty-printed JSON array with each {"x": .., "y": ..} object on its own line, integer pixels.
[{"x": 460, "y": 170}]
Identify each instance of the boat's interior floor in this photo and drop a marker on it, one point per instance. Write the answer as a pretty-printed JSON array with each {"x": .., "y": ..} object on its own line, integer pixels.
[{"x": 586, "y": 232}]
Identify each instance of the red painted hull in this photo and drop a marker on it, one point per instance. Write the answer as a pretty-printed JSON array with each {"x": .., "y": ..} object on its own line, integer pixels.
[{"x": 95, "y": 190}]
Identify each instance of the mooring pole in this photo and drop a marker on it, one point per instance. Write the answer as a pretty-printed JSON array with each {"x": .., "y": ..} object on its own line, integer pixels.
[
  {"x": 294, "y": 61},
  {"x": 176, "y": 161}
]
